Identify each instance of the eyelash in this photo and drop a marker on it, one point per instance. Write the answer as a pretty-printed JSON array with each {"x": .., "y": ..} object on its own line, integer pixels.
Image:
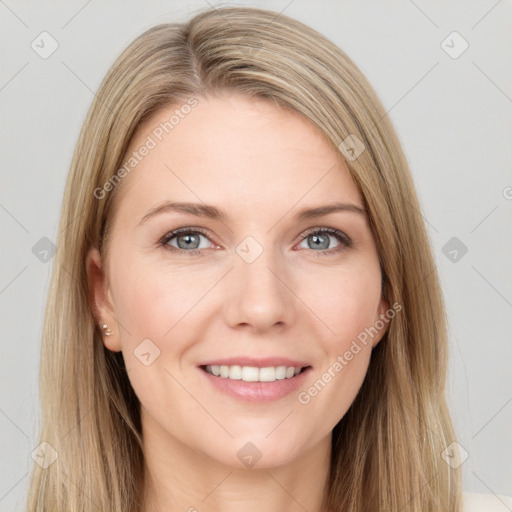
[{"x": 345, "y": 241}]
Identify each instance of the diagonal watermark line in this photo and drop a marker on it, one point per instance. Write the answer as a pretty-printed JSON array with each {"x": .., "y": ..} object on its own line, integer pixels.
[
  {"x": 82, "y": 491},
  {"x": 492, "y": 81},
  {"x": 424, "y": 14},
  {"x": 165, "y": 165},
  {"x": 503, "y": 407},
  {"x": 91, "y": 90},
  {"x": 69, "y": 273},
  {"x": 218, "y": 10},
  {"x": 13, "y": 279},
  {"x": 281, "y": 12},
  {"x": 78, "y": 78},
  {"x": 14, "y": 14},
  {"x": 14, "y": 76},
  {"x": 493, "y": 287},
  {"x": 416, "y": 494},
  {"x": 484, "y": 218},
  {"x": 14, "y": 218},
  {"x": 301, "y": 301},
  {"x": 485, "y": 14},
  {"x": 13, "y": 423},
  {"x": 305, "y": 194},
  {"x": 491, "y": 490},
  {"x": 404, "y": 95},
  {"x": 22, "y": 478},
  {"x": 75, "y": 278},
  {"x": 286, "y": 491},
  {"x": 121, "y": 325},
  {"x": 419, "y": 212},
  {"x": 417, "y": 416},
  {"x": 425, "y": 276},
  {"x": 292, "y": 411},
  {"x": 198, "y": 301},
  {"x": 76, "y": 14},
  {"x": 429, "y": 223},
  {"x": 78, "y": 422},
  {"x": 216, "y": 487},
  {"x": 199, "y": 403}
]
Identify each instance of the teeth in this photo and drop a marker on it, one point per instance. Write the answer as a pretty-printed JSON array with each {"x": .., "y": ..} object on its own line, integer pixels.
[
  {"x": 281, "y": 372},
  {"x": 235, "y": 372},
  {"x": 252, "y": 373},
  {"x": 267, "y": 374}
]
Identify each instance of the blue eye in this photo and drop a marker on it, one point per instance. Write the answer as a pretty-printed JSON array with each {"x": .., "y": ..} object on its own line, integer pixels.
[
  {"x": 188, "y": 240},
  {"x": 320, "y": 239}
]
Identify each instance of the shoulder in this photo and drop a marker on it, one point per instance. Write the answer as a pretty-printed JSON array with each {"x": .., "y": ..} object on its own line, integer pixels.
[{"x": 475, "y": 502}]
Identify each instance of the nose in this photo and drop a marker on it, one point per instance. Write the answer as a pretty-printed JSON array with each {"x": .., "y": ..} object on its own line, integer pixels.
[{"x": 259, "y": 294}]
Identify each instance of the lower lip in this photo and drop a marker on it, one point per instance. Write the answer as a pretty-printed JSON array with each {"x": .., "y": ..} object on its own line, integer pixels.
[{"x": 257, "y": 391}]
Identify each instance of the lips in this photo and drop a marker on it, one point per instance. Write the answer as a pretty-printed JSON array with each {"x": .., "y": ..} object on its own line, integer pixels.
[{"x": 255, "y": 380}]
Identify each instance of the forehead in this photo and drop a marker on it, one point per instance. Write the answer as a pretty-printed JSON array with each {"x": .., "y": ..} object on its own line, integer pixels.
[{"x": 235, "y": 150}]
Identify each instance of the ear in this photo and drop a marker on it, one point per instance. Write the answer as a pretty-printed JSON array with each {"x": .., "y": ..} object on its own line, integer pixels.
[
  {"x": 382, "y": 318},
  {"x": 101, "y": 299}
]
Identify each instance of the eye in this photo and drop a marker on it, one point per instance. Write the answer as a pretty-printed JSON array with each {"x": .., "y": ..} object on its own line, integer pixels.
[
  {"x": 320, "y": 240},
  {"x": 186, "y": 240}
]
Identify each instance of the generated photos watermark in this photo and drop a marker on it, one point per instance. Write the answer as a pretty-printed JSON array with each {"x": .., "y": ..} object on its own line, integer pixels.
[
  {"x": 305, "y": 397},
  {"x": 151, "y": 142}
]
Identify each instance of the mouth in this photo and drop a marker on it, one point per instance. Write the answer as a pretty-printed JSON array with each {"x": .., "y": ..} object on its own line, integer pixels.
[
  {"x": 254, "y": 373},
  {"x": 249, "y": 379}
]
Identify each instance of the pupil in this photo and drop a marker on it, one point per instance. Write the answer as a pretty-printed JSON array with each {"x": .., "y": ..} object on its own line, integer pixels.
[
  {"x": 189, "y": 240},
  {"x": 318, "y": 241}
]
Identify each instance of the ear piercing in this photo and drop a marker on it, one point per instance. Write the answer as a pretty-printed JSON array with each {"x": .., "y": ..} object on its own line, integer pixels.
[{"x": 106, "y": 330}]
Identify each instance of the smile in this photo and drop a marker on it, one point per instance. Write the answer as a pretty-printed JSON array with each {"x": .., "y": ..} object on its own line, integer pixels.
[
  {"x": 253, "y": 373},
  {"x": 249, "y": 383}
]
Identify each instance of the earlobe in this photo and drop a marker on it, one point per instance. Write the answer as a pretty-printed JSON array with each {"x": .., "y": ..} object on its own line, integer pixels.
[{"x": 101, "y": 300}]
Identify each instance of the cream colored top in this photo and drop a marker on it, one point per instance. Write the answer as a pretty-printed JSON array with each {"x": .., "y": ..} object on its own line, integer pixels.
[{"x": 475, "y": 502}]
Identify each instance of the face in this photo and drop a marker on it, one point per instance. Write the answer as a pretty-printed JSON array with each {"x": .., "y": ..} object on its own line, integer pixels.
[{"x": 249, "y": 284}]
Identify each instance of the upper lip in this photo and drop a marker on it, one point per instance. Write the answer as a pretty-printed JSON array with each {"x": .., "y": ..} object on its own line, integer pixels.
[{"x": 258, "y": 363}]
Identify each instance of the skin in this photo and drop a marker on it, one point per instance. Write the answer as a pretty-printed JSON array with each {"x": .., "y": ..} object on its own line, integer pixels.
[{"x": 261, "y": 164}]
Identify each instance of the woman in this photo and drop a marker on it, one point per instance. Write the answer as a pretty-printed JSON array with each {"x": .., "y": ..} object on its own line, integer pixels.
[{"x": 244, "y": 311}]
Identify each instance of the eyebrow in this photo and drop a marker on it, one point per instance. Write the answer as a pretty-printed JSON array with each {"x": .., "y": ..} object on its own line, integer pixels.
[{"x": 212, "y": 212}]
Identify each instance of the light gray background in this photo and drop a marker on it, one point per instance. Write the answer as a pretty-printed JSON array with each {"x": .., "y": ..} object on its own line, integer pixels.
[{"x": 454, "y": 118}]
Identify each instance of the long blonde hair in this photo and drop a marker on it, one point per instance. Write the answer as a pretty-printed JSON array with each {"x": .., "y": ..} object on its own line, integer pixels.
[{"x": 387, "y": 449}]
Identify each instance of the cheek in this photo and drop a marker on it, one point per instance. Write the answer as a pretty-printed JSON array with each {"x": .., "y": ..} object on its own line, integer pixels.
[
  {"x": 151, "y": 299},
  {"x": 156, "y": 306},
  {"x": 345, "y": 300},
  {"x": 152, "y": 307}
]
